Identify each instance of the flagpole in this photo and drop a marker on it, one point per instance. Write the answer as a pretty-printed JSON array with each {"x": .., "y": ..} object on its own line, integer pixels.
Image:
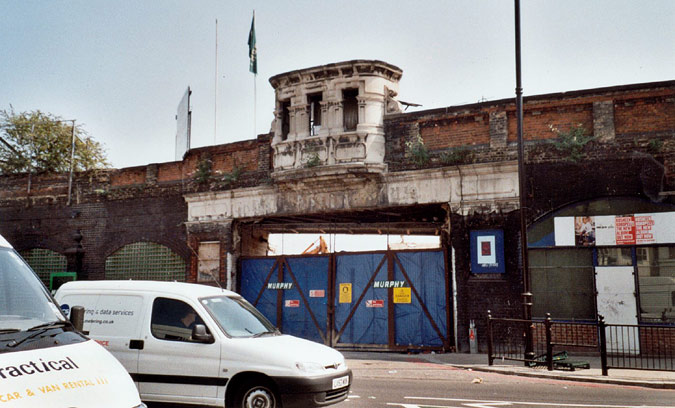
[
  {"x": 253, "y": 67},
  {"x": 255, "y": 105},
  {"x": 215, "y": 92},
  {"x": 255, "y": 91}
]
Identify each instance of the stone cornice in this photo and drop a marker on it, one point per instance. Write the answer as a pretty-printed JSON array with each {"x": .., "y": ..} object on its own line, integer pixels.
[{"x": 343, "y": 69}]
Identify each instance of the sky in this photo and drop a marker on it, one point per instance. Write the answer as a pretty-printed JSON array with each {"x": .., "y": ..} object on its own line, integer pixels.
[{"x": 120, "y": 67}]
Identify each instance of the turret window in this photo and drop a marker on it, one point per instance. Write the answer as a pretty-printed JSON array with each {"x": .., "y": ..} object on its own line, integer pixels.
[
  {"x": 350, "y": 107},
  {"x": 285, "y": 119},
  {"x": 314, "y": 113}
]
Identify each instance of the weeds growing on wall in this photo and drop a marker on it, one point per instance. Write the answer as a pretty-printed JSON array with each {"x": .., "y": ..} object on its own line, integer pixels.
[
  {"x": 460, "y": 155},
  {"x": 417, "y": 152},
  {"x": 654, "y": 146},
  {"x": 203, "y": 173},
  {"x": 232, "y": 176},
  {"x": 313, "y": 160},
  {"x": 571, "y": 143}
]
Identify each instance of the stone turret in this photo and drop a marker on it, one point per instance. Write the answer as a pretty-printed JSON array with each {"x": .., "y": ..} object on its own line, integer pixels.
[{"x": 332, "y": 116}]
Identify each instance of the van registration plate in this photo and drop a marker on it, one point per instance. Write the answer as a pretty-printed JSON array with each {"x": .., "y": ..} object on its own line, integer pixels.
[{"x": 340, "y": 382}]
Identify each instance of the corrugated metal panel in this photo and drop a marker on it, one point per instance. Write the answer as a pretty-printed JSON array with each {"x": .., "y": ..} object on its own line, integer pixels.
[
  {"x": 366, "y": 315},
  {"x": 254, "y": 274},
  {"x": 426, "y": 273},
  {"x": 369, "y": 323},
  {"x": 303, "y": 313}
]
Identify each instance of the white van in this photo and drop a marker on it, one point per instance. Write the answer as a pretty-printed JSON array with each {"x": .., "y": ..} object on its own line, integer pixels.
[
  {"x": 197, "y": 344},
  {"x": 44, "y": 361}
]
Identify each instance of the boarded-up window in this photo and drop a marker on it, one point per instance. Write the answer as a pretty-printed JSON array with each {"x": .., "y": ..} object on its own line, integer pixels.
[
  {"x": 285, "y": 119},
  {"x": 562, "y": 283},
  {"x": 656, "y": 277},
  {"x": 208, "y": 267},
  {"x": 314, "y": 113},
  {"x": 350, "y": 107},
  {"x": 44, "y": 262},
  {"x": 145, "y": 260}
]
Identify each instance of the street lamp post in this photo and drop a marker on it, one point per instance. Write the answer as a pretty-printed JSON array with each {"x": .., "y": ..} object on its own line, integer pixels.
[{"x": 527, "y": 295}]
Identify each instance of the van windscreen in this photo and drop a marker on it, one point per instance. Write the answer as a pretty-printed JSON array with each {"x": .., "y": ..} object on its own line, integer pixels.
[
  {"x": 24, "y": 301},
  {"x": 237, "y": 317}
]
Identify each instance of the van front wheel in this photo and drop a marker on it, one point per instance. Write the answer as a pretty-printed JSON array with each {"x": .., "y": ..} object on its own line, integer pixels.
[{"x": 257, "y": 396}]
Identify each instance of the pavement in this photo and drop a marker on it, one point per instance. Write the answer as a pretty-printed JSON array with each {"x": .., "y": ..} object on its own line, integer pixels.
[{"x": 479, "y": 362}]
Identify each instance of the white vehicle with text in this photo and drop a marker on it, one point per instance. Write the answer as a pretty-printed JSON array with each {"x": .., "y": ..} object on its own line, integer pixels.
[
  {"x": 44, "y": 360},
  {"x": 196, "y": 344}
]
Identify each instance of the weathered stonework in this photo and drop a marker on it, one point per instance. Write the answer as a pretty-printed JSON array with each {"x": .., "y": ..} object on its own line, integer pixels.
[
  {"x": 466, "y": 189},
  {"x": 499, "y": 129},
  {"x": 330, "y": 180},
  {"x": 298, "y": 142},
  {"x": 603, "y": 120}
]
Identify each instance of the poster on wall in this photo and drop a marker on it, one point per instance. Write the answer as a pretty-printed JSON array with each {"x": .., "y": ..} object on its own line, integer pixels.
[
  {"x": 584, "y": 231},
  {"x": 487, "y": 251},
  {"x": 615, "y": 230}
]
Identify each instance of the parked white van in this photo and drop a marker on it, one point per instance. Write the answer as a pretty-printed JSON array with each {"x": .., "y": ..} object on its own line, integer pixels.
[
  {"x": 196, "y": 344},
  {"x": 44, "y": 361}
]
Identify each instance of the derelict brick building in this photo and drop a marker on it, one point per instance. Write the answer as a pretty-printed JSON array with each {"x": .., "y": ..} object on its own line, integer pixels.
[{"x": 343, "y": 157}]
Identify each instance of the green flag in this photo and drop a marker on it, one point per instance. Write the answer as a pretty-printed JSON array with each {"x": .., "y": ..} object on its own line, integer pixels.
[{"x": 252, "y": 52}]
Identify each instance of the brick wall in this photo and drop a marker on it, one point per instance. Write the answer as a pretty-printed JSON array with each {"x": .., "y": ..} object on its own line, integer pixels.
[
  {"x": 105, "y": 227},
  {"x": 657, "y": 341},
  {"x": 636, "y": 157},
  {"x": 478, "y": 293},
  {"x": 621, "y": 164}
]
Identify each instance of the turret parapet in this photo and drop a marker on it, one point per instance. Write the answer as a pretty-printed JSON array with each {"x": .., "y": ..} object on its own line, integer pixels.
[{"x": 332, "y": 115}]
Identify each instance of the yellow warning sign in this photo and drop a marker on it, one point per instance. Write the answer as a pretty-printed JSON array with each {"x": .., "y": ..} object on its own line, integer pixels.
[
  {"x": 401, "y": 295},
  {"x": 345, "y": 293}
]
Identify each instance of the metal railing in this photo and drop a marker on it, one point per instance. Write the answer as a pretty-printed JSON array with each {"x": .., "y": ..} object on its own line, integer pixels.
[{"x": 639, "y": 347}]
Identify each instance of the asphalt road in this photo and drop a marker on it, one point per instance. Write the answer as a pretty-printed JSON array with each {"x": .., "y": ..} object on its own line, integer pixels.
[
  {"x": 418, "y": 384},
  {"x": 421, "y": 385}
]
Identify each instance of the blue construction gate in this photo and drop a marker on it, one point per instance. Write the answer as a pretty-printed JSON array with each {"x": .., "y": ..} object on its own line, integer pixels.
[{"x": 390, "y": 300}]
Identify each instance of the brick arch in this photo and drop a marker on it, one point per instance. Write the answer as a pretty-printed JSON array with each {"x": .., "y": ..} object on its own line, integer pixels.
[
  {"x": 541, "y": 229},
  {"x": 44, "y": 261},
  {"x": 145, "y": 260}
]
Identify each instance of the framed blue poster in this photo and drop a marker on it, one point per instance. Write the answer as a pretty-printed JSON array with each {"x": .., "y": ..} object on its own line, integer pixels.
[{"x": 487, "y": 251}]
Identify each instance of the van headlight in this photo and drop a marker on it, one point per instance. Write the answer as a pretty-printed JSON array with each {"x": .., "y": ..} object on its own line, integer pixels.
[
  {"x": 141, "y": 406},
  {"x": 310, "y": 368}
]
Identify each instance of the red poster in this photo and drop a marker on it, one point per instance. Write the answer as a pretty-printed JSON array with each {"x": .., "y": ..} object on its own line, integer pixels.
[
  {"x": 485, "y": 248},
  {"x": 625, "y": 230},
  {"x": 292, "y": 303},
  {"x": 644, "y": 229},
  {"x": 317, "y": 293},
  {"x": 375, "y": 303}
]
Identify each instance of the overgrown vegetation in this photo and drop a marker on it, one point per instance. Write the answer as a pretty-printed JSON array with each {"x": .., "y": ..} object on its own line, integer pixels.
[
  {"x": 313, "y": 160},
  {"x": 203, "y": 173},
  {"x": 417, "y": 152},
  {"x": 460, "y": 155},
  {"x": 233, "y": 176},
  {"x": 655, "y": 145},
  {"x": 572, "y": 142}
]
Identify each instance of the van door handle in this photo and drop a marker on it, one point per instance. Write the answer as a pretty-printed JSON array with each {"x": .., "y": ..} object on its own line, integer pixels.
[{"x": 136, "y": 344}]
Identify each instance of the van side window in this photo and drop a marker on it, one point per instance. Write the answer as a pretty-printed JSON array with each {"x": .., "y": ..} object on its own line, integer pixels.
[{"x": 173, "y": 320}]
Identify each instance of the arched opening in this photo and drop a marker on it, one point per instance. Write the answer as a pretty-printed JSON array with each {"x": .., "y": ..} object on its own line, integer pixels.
[
  {"x": 613, "y": 256},
  {"x": 147, "y": 261},
  {"x": 45, "y": 262}
]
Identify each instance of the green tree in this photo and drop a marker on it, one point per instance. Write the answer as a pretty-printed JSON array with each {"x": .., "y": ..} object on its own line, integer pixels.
[{"x": 33, "y": 142}]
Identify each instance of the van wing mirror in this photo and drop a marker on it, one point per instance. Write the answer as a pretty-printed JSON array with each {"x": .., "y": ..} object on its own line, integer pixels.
[{"x": 199, "y": 334}]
